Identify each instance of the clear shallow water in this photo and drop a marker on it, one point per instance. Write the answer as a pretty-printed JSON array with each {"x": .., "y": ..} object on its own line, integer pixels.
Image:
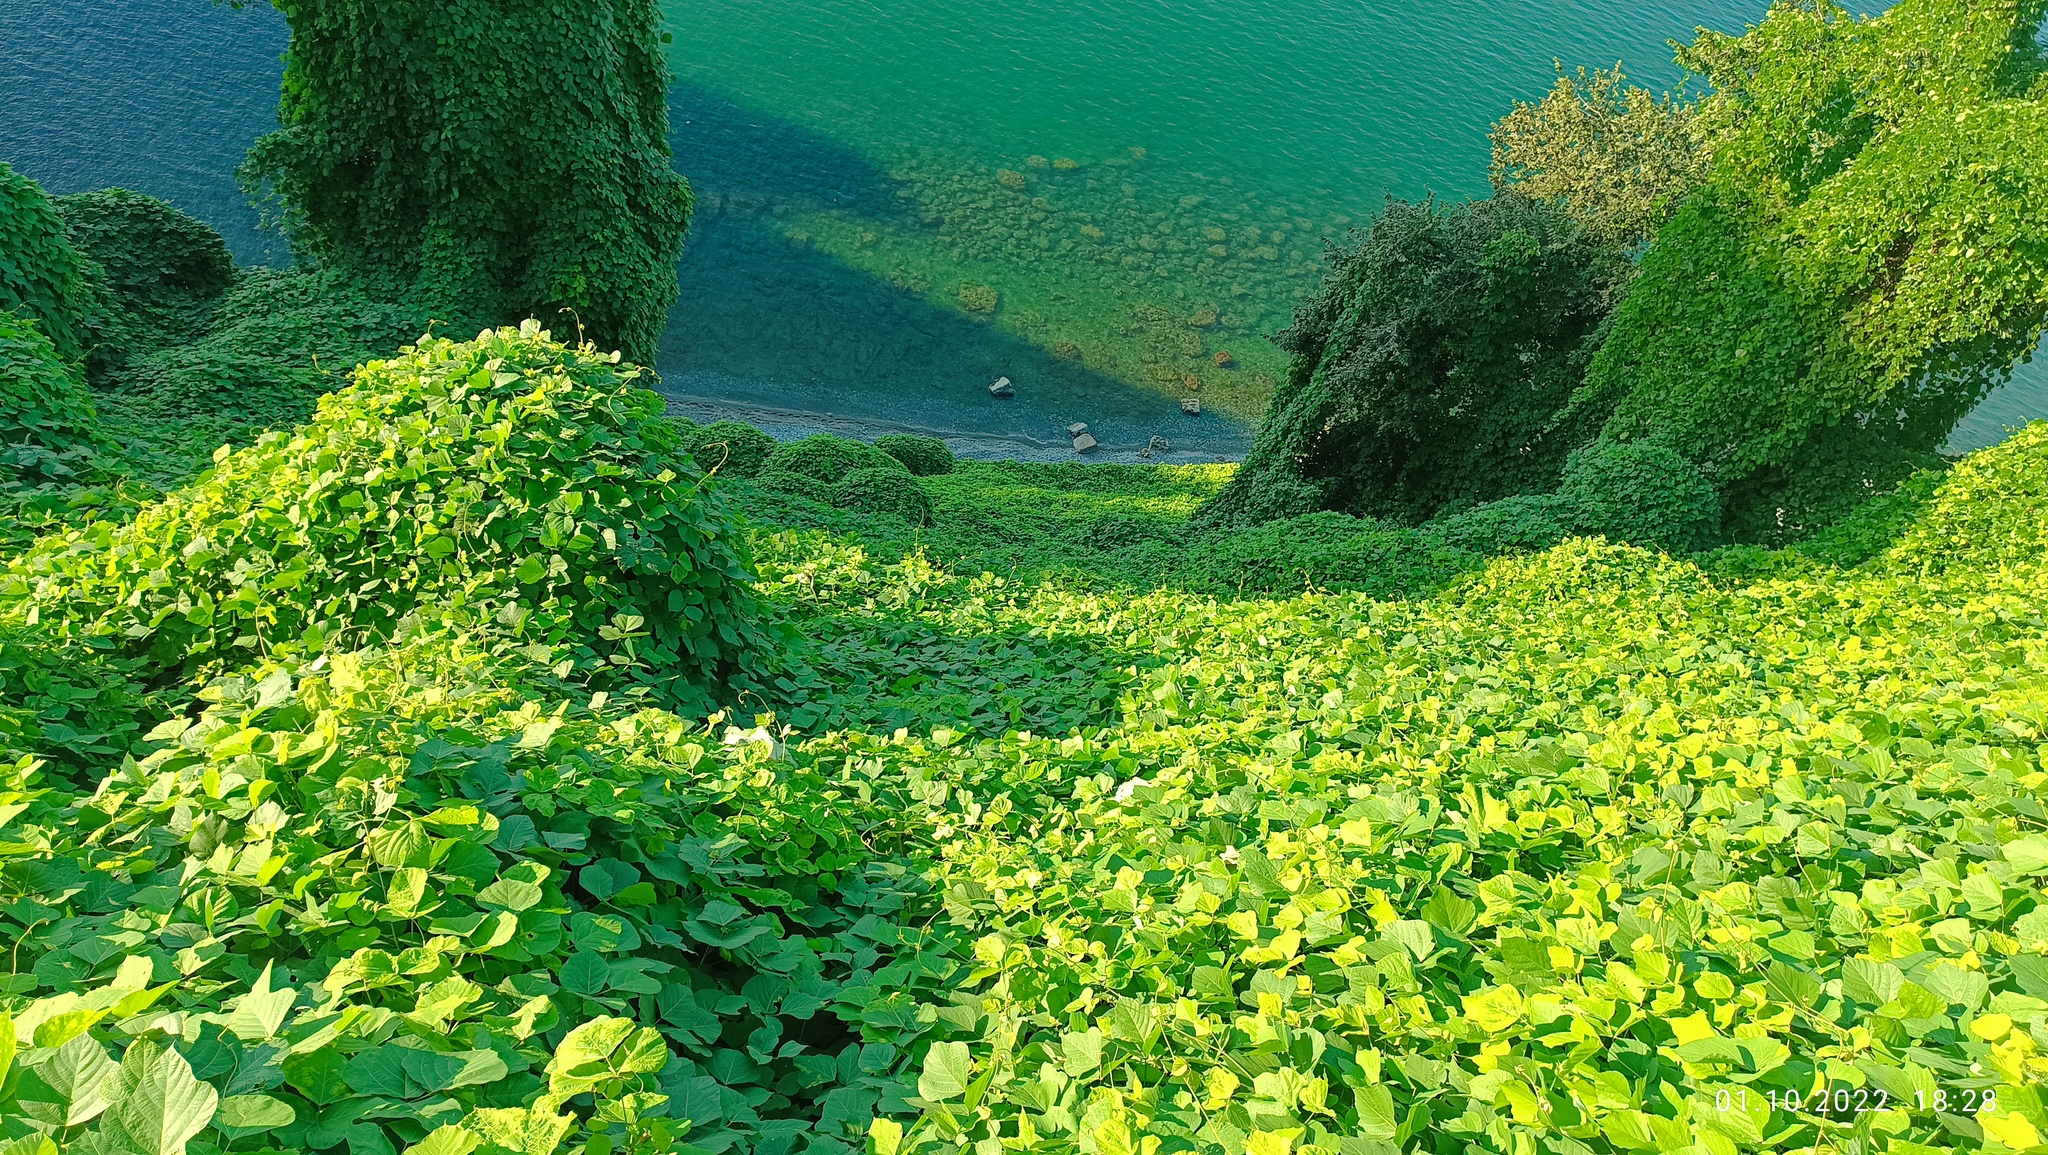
[{"x": 902, "y": 199}]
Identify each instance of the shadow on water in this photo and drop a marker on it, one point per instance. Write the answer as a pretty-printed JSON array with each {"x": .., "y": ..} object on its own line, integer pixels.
[
  {"x": 732, "y": 151},
  {"x": 771, "y": 331}
]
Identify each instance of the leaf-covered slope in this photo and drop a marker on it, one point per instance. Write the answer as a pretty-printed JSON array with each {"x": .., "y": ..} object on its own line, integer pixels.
[{"x": 1594, "y": 849}]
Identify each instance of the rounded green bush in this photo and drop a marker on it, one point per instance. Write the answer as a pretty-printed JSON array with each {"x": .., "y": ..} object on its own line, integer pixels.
[
  {"x": 143, "y": 245},
  {"x": 887, "y": 491},
  {"x": 1523, "y": 523},
  {"x": 729, "y": 448},
  {"x": 509, "y": 479},
  {"x": 42, "y": 274},
  {"x": 790, "y": 482},
  {"x": 923, "y": 456},
  {"x": 829, "y": 459},
  {"x": 1640, "y": 493}
]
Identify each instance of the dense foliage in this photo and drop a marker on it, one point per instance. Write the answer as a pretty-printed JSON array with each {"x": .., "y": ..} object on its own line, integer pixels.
[
  {"x": 508, "y": 478},
  {"x": 1431, "y": 368},
  {"x": 728, "y": 448},
  {"x": 491, "y": 160},
  {"x": 42, "y": 274},
  {"x": 49, "y": 433},
  {"x": 1617, "y": 158},
  {"x": 158, "y": 272},
  {"x": 1558, "y": 851},
  {"x": 492, "y": 765},
  {"x": 1866, "y": 257},
  {"x": 1641, "y": 494},
  {"x": 270, "y": 347},
  {"x": 923, "y": 456}
]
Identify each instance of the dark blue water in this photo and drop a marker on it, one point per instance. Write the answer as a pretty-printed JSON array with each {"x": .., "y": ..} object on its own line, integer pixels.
[{"x": 164, "y": 96}]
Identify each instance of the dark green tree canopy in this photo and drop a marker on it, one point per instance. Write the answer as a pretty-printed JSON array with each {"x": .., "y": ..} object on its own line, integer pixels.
[
  {"x": 496, "y": 159},
  {"x": 1869, "y": 253},
  {"x": 1430, "y": 369}
]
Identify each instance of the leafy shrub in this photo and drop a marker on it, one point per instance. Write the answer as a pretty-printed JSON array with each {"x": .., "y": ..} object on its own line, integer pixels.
[
  {"x": 157, "y": 270},
  {"x": 1523, "y": 523},
  {"x": 1640, "y": 493},
  {"x": 823, "y": 457},
  {"x": 1617, "y": 158},
  {"x": 729, "y": 448},
  {"x": 50, "y": 441},
  {"x": 800, "y": 485},
  {"x": 42, "y": 274},
  {"x": 923, "y": 456},
  {"x": 1326, "y": 550},
  {"x": 143, "y": 245},
  {"x": 507, "y": 476},
  {"x": 885, "y": 491},
  {"x": 1839, "y": 471},
  {"x": 1432, "y": 365}
]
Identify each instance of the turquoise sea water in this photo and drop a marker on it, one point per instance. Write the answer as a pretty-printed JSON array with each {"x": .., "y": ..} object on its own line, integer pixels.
[{"x": 903, "y": 199}]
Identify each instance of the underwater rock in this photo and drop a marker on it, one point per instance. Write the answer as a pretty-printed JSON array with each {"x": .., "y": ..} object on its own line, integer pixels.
[
  {"x": 1137, "y": 153},
  {"x": 1077, "y": 429},
  {"x": 1083, "y": 443},
  {"x": 1191, "y": 407},
  {"x": 1010, "y": 178},
  {"x": 1203, "y": 318},
  {"x": 1191, "y": 383},
  {"x": 1224, "y": 360},
  {"x": 976, "y": 298},
  {"x": 1215, "y": 235},
  {"x": 1066, "y": 163},
  {"x": 1067, "y": 351},
  {"x": 1218, "y": 251},
  {"x": 1036, "y": 162},
  {"x": 1092, "y": 233},
  {"x": 1001, "y": 387}
]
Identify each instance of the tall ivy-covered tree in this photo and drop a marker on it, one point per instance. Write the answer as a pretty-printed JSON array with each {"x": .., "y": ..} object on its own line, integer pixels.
[
  {"x": 492, "y": 159},
  {"x": 1429, "y": 371},
  {"x": 1868, "y": 254}
]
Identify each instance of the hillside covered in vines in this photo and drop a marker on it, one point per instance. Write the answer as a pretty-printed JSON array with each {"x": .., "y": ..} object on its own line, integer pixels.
[{"x": 415, "y": 744}]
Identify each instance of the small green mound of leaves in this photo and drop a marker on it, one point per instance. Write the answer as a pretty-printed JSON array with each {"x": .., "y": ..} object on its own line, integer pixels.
[
  {"x": 158, "y": 273},
  {"x": 512, "y": 475},
  {"x": 728, "y": 448},
  {"x": 1642, "y": 494},
  {"x": 885, "y": 491},
  {"x": 923, "y": 456}
]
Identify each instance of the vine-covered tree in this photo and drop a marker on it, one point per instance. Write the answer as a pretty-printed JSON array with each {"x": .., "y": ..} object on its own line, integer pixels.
[
  {"x": 492, "y": 159},
  {"x": 1429, "y": 371},
  {"x": 1868, "y": 254}
]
